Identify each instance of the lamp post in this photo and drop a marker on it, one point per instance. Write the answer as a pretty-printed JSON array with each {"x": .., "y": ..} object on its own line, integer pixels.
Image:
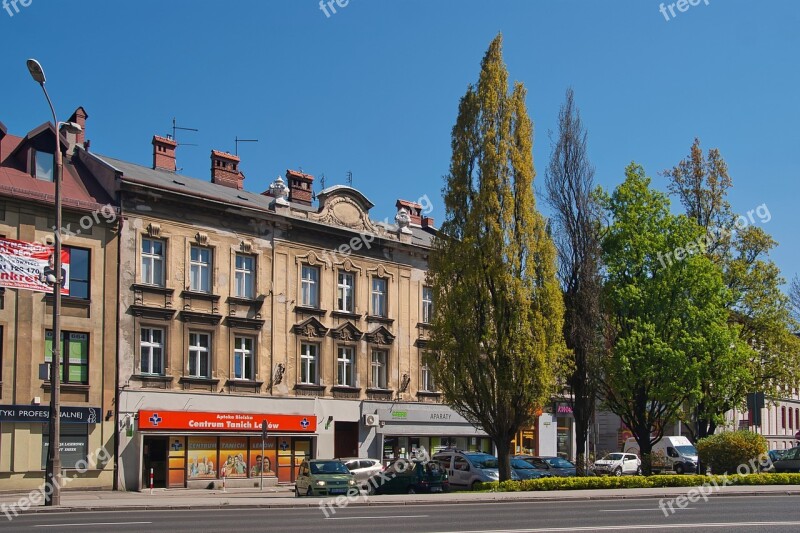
[{"x": 53, "y": 468}]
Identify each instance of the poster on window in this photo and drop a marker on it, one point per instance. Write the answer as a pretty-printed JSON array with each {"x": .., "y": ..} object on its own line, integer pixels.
[
  {"x": 233, "y": 456},
  {"x": 29, "y": 266},
  {"x": 259, "y": 462},
  {"x": 202, "y": 453}
]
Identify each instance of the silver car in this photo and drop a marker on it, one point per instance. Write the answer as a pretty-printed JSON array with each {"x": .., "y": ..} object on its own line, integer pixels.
[{"x": 362, "y": 468}]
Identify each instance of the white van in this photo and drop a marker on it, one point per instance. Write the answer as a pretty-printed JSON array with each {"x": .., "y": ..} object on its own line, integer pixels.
[{"x": 671, "y": 453}]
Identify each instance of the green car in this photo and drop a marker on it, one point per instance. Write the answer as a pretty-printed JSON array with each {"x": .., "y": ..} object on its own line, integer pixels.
[{"x": 323, "y": 477}]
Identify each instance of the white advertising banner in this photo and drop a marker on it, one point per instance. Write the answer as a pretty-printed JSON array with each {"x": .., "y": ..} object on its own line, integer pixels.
[{"x": 27, "y": 265}]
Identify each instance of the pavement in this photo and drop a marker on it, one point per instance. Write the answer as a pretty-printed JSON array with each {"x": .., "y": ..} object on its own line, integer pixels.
[{"x": 283, "y": 497}]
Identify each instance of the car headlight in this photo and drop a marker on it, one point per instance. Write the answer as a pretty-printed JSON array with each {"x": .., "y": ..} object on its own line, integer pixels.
[
  {"x": 351, "y": 482},
  {"x": 320, "y": 483}
]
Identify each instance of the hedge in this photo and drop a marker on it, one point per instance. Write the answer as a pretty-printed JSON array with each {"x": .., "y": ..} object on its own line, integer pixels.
[
  {"x": 636, "y": 482},
  {"x": 730, "y": 450}
]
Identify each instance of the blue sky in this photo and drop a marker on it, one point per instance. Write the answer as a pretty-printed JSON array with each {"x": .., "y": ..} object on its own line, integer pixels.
[{"x": 374, "y": 88}]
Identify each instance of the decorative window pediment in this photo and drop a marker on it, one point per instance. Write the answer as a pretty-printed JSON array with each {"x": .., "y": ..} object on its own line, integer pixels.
[
  {"x": 311, "y": 258},
  {"x": 310, "y": 327},
  {"x": 380, "y": 336},
  {"x": 381, "y": 272},
  {"x": 347, "y": 332}
]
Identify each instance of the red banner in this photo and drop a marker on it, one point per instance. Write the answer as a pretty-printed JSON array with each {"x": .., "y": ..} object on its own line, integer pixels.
[
  {"x": 28, "y": 265},
  {"x": 245, "y": 422}
]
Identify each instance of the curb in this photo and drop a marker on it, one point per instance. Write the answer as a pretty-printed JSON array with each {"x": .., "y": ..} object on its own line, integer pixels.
[{"x": 374, "y": 503}]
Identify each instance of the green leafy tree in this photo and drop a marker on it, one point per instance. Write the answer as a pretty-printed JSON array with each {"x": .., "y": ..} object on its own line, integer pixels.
[
  {"x": 497, "y": 330},
  {"x": 668, "y": 320},
  {"x": 767, "y": 358},
  {"x": 576, "y": 225}
]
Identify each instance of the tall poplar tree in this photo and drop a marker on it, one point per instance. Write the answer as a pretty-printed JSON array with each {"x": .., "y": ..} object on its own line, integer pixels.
[{"x": 497, "y": 332}]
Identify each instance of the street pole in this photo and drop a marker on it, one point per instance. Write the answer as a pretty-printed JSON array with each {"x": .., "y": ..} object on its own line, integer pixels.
[
  {"x": 264, "y": 426},
  {"x": 53, "y": 467}
]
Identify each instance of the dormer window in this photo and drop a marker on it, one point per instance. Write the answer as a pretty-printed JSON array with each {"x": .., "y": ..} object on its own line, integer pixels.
[{"x": 44, "y": 166}]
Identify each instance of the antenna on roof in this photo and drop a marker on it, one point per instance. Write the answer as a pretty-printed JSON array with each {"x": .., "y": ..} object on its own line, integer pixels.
[
  {"x": 238, "y": 140},
  {"x": 175, "y": 128},
  {"x": 350, "y": 178},
  {"x": 322, "y": 181}
]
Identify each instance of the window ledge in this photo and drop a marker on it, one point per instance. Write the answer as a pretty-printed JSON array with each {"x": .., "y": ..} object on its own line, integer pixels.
[
  {"x": 428, "y": 393},
  {"x": 152, "y": 288},
  {"x": 424, "y": 325},
  {"x": 346, "y": 314},
  {"x": 199, "y": 381},
  {"x": 69, "y": 301},
  {"x": 194, "y": 295},
  {"x": 258, "y": 302},
  {"x": 69, "y": 387},
  {"x": 153, "y": 377},
  {"x": 345, "y": 388},
  {"x": 379, "y": 390},
  {"x": 381, "y": 319},
  {"x": 309, "y": 310},
  {"x": 309, "y": 386}
]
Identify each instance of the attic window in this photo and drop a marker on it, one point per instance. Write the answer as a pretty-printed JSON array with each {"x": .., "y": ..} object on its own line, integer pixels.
[{"x": 44, "y": 166}]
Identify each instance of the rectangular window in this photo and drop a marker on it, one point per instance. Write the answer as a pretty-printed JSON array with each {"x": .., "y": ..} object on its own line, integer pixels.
[
  {"x": 200, "y": 269},
  {"x": 378, "y": 297},
  {"x": 783, "y": 417},
  {"x": 74, "y": 356},
  {"x": 345, "y": 367},
  {"x": 426, "y": 381},
  {"x": 153, "y": 262},
  {"x": 199, "y": 355},
  {"x": 310, "y": 286},
  {"x": 308, "y": 363},
  {"x": 78, "y": 272},
  {"x": 379, "y": 368},
  {"x": 151, "y": 349},
  {"x": 427, "y": 305},
  {"x": 243, "y": 358},
  {"x": 44, "y": 166},
  {"x": 345, "y": 293},
  {"x": 245, "y": 267}
]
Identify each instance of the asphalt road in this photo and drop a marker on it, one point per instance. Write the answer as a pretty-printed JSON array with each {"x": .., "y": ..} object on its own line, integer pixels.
[{"x": 728, "y": 513}]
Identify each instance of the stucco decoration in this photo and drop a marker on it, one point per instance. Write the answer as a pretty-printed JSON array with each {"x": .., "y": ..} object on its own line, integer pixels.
[{"x": 344, "y": 206}]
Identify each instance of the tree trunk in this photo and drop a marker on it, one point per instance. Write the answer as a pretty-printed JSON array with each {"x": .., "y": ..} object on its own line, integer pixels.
[
  {"x": 581, "y": 431},
  {"x": 503, "y": 458}
]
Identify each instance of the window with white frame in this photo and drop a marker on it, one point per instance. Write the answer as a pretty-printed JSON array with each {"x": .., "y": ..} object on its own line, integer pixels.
[
  {"x": 379, "y": 296},
  {"x": 243, "y": 358},
  {"x": 379, "y": 369},
  {"x": 310, "y": 286},
  {"x": 426, "y": 376},
  {"x": 244, "y": 276},
  {"x": 153, "y": 262},
  {"x": 345, "y": 367},
  {"x": 200, "y": 269},
  {"x": 199, "y": 355},
  {"x": 346, "y": 293},
  {"x": 427, "y": 305},
  {"x": 308, "y": 363},
  {"x": 151, "y": 351}
]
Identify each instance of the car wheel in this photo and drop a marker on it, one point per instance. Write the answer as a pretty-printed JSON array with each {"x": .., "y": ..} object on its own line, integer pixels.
[
  {"x": 474, "y": 485},
  {"x": 638, "y": 470},
  {"x": 679, "y": 469},
  {"x": 618, "y": 471},
  {"x": 411, "y": 490}
]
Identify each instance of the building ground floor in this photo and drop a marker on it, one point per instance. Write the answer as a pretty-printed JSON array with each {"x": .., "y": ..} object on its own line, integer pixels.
[{"x": 86, "y": 447}]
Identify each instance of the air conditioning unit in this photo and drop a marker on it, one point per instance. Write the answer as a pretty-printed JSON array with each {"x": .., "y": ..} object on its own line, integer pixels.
[{"x": 372, "y": 420}]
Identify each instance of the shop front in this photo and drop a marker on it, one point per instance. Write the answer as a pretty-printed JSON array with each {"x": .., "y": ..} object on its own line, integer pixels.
[
  {"x": 405, "y": 430},
  {"x": 198, "y": 449}
]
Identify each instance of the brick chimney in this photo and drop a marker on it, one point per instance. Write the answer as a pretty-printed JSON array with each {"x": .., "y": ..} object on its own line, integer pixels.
[
  {"x": 225, "y": 170},
  {"x": 164, "y": 153},
  {"x": 299, "y": 186},
  {"x": 427, "y": 222},
  {"x": 414, "y": 211},
  {"x": 79, "y": 117}
]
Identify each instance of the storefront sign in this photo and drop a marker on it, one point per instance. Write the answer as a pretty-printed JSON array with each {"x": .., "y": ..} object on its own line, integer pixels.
[
  {"x": 38, "y": 413},
  {"x": 438, "y": 417},
  {"x": 202, "y": 421},
  {"x": 563, "y": 408}
]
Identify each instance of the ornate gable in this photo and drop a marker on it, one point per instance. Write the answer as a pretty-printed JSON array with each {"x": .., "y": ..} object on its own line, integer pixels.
[
  {"x": 380, "y": 336},
  {"x": 344, "y": 206},
  {"x": 347, "y": 332},
  {"x": 310, "y": 327}
]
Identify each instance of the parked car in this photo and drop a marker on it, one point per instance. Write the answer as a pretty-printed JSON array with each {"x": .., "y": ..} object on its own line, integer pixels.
[
  {"x": 768, "y": 464},
  {"x": 789, "y": 461},
  {"x": 556, "y": 466},
  {"x": 466, "y": 469},
  {"x": 527, "y": 470},
  {"x": 618, "y": 464},
  {"x": 671, "y": 453},
  {"x": 409, "y": 477},
  {"x": 323, "y": 477},
  {"x": 362, "y": 468}
]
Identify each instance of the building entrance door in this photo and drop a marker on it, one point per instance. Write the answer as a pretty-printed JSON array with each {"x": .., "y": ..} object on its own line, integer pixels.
[
  {"x": 345, "y": 439},
  {"x": 154, "y": 455}
]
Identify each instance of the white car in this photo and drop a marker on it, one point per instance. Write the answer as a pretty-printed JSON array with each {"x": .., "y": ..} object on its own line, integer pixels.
[
  {"x": 618, "y": 464},
  {"x": 362, "y": 468}
]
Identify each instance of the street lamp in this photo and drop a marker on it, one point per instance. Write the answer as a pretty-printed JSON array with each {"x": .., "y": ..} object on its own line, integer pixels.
[{"x": 53, "y": 468}]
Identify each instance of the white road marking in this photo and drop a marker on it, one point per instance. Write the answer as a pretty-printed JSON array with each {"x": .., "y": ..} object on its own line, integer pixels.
[
  {"x": 624, "y": 528},
  {"x": 648, "y": 509},
  {"x": 376, "y": 517},
  {"x": 93, "y": 524}
]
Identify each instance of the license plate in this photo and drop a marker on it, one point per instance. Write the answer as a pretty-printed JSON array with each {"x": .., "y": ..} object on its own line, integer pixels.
[{"x": 337, "y": 491}]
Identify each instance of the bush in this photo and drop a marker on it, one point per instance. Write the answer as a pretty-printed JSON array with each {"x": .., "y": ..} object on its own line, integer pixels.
[
  {"x": 726, "y": 452},
  {"x": 637, "y": 482}
]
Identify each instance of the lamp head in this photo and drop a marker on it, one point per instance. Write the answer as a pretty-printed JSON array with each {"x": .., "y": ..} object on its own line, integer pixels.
[{"x": 36, "y": 70}]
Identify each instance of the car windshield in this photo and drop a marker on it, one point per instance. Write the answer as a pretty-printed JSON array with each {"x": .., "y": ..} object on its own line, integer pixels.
[
  {"x": 558, "y": 462},
  {"x": 483, "y": 460},
  {"x": 521, "y": 465},
  {"x": 613, "y": 457},
  {"x": 687, "y": 449},
  {"x": 329, "y": 467}
]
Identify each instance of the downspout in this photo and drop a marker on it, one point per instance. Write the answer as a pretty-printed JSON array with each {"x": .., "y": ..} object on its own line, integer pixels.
[{"x": 115, "y": 485}]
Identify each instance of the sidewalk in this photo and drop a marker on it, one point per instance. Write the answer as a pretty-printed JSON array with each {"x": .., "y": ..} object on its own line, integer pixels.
[{"x": 283, "y": 496}]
